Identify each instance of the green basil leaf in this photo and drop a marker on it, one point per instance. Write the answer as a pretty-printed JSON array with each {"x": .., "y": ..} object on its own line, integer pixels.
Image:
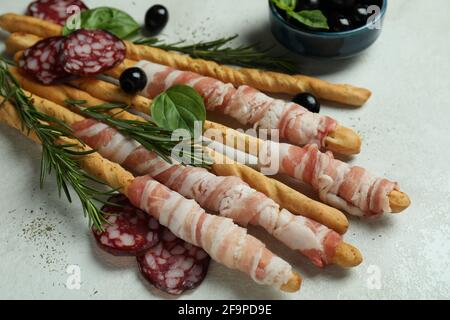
[
  {"x": 285, "y": 4},
  {"x": 311, "y": 18},
  {"x": 115, "y": 21},
  {"x": 178, "y": 108}
]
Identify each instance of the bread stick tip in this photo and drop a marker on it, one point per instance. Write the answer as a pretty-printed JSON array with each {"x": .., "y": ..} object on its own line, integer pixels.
[
  {"x": 294, "y": 283},
  {"x": 344, "y": 141},
  {"x": 399, "y": 201},
  {"x": 347, "y": 256}
]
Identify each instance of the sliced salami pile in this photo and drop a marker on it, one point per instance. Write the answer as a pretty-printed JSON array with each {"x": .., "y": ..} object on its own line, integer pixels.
[
  {"x": 167, "y": 262},
  {"x": 173, "y": 265},
  {"x": 83, "y": 53},
  {"x": 56, "y": 11},
  {"x": 130, "y": 230}
]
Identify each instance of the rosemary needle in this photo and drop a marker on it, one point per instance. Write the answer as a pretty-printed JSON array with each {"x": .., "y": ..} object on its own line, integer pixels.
[
  {"x": 148, "y": 134},
  {"x": 57, "y": 158},
  {"x": 220, "y": 51}
]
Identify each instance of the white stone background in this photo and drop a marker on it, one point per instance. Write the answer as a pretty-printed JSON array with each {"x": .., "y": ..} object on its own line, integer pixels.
[{"x": 405, "y": 127}]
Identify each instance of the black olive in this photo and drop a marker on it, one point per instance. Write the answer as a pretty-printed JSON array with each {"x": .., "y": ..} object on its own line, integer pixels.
[
  {"x": 133, "y": 80},
  {"x": 360, "y": 14},
  {"x": 342, "y": 4},
  {"x": 378, "y": 3},
  {"x": 340, "y": 23},
  {"x": 308, "y": 101},
  {"x": 156, "y": 18},
  {"x": 308, "y": 5}
]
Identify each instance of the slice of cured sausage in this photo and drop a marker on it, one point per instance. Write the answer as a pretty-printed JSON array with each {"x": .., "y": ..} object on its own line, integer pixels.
[
  {"x": 42, "y": 61},
  {"x": 130, "y": 230},
  {"x": 174, "y": 265},
  {"x": 56, "y": 11},
  {"x": 91, "y": 52}
]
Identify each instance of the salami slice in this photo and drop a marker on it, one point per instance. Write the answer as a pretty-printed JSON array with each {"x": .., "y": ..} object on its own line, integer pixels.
[
  {"x": 174, "y": 265},
  {"x": 55, "y": 11},
  {"x": 90, "y": 52},
  {"x": 130, "y": 232},
  {"x": 42, "y": 60}
]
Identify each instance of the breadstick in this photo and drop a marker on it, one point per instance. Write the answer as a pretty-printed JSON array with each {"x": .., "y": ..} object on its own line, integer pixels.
[
  {"x": 346, "y": 258},
  {"x": 263, "y": 266},
  {"x": 227, "y": 196},
  {"x": 19, "y": 41},
  {"x": 12, "y": 22},
  {"x": 339, "y": 139},
  {"x": 285, "y": 196},
  {"x": 398, "y": 201},
  {"x": 271, "y": 82}
]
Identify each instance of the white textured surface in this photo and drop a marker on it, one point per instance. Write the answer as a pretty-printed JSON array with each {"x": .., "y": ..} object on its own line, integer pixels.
[{"x": 405, "y": 129}]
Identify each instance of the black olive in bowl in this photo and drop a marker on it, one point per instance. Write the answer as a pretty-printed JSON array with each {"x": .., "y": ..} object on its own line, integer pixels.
[{"x": 351, "y": 29}]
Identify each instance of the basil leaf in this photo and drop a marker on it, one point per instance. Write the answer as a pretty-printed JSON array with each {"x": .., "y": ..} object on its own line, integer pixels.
[
  {"x": 285, "y": 4},
  {"x": 311, "y": 18},
  {"x": 115, "y": 21},
  {"x": 178, "y": 108}
]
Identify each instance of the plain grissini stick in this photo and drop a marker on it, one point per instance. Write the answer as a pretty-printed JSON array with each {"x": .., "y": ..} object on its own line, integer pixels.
[
  {"x": 285, "y": 196},
  {"x": 220, "y": 237},
  {"x": 268, "y": 215},
  {"x": 267, "y": 81},
  {"x": 12, "y": 22},
  {"x": 330, "y": 135}
]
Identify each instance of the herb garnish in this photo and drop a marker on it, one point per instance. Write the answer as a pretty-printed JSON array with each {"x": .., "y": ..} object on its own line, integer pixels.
[
  {"x": 56, "y": 157},
  {"x": 115, "y": 21},
  {"x": 250, "y": 56},
  {"x": 179, "y": 108},
  {"x": 311, "y": 18},
  {"x": 148, "y": 134}
]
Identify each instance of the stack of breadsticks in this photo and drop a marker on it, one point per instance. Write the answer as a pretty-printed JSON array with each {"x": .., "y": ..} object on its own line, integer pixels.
[{"x": 237, "y": 192}]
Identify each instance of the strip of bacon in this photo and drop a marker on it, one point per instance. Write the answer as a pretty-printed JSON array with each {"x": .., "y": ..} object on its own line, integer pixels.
[
  {"x": 352, "y": 189},
  {"x": 247, "y": 105},
  {"x": 224, "y": 241},
  {"x": 228, "y": 196}
]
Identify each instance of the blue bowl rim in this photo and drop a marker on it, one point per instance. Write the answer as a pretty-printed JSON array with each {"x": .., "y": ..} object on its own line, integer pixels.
[{"x": 322, "y": 33}]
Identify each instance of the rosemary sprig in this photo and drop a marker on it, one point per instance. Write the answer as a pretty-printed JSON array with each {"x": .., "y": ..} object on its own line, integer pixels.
[
  {"x": 219, "y": 50},
  {"x": 58, "y": 158},
  {"x": 148, "y": 134}
]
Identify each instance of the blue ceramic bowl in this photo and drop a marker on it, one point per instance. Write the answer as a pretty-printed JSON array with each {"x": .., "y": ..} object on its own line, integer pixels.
[{"x": 324, "y": 44}]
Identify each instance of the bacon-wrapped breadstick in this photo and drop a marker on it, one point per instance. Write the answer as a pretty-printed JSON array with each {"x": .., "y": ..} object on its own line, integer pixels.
[
  {"x": 229, "y": 196},
  {"x": 226, "y": 242},
  {"x": 262, "y": 80},
  {"x": 376, "y": 196},
  {"x": 349, "y": 188},
  {"x": 285, "y": 196},
  {"x": 296, "y": 122},
  {"x": 247, "y": 105}
]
